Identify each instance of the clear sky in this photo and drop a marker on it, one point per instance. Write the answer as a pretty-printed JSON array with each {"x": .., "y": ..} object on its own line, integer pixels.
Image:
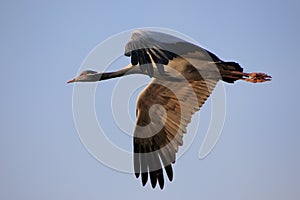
[{"x": 43, "y": 45}]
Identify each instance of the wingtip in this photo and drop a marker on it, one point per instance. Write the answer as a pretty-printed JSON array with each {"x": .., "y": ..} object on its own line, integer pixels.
[
  {"x": 169, "y": 172},
  {"x": 144, "y": 178},
  {"x": 161, "y": 181},
  {"x": 153, "y": 182}
]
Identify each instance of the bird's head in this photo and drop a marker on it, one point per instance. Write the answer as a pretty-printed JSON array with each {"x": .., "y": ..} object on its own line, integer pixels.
[{"x": 85, "y": 76}]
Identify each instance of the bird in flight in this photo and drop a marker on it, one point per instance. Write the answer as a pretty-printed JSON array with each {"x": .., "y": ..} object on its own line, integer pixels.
[{"x": 183, "y": 76}]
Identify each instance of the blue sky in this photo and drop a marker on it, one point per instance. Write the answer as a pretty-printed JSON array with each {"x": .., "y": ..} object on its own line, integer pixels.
[{"x": 43, "y": 45}]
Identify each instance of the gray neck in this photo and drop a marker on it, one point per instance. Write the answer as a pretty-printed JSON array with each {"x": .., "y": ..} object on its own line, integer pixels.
[{"x": 123, "y": 72}]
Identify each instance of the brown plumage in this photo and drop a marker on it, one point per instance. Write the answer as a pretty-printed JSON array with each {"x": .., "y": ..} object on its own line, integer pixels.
[{"x": 178, "y": 102}]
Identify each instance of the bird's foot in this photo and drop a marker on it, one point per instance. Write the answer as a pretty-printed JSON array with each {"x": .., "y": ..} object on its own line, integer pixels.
[{"x": 257, "y": 77}]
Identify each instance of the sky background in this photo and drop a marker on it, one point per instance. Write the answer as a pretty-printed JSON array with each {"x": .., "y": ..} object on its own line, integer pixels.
[{"x": 43, "y": 45}]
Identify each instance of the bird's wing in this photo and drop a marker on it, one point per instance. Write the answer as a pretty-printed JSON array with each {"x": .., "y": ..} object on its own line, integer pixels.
[
  {"x": 148, "y": 47},
  {"x": 164, "y": 109}
]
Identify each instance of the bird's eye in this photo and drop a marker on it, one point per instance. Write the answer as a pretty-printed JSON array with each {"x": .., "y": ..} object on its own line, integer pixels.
[{"x": 83, "y": 73}]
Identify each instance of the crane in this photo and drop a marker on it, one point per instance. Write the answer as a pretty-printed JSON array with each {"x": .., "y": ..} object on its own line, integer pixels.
[{"x": 183, "y": 77}]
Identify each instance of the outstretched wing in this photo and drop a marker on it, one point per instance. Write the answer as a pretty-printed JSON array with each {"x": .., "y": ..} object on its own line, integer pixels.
[
  {"x": 148, "y": 47},
  {"x": 164, "y": 109}
]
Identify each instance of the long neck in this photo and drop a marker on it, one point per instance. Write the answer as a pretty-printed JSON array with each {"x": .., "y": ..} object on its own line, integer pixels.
[{"x": 123, "y": 72}]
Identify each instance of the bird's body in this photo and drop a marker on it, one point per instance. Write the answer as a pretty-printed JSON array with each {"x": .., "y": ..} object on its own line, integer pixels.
[{"x": 184, "y": 76}]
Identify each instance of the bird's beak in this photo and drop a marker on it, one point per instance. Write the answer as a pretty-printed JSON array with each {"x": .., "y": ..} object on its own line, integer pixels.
[{"x": 71, "y": 81}]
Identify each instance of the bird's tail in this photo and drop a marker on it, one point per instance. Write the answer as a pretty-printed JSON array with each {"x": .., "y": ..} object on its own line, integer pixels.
[
  {"x": 232, "y": 71},
  {"x": 228, "y": 71}
]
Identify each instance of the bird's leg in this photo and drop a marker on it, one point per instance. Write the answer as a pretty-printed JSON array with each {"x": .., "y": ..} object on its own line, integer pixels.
[{"x": 254, "y": 77}]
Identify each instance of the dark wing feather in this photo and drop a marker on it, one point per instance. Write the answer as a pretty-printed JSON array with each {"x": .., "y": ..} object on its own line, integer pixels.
[
  {"x": 149, "y": 47},
  {"x": 164, "y": 109}
]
